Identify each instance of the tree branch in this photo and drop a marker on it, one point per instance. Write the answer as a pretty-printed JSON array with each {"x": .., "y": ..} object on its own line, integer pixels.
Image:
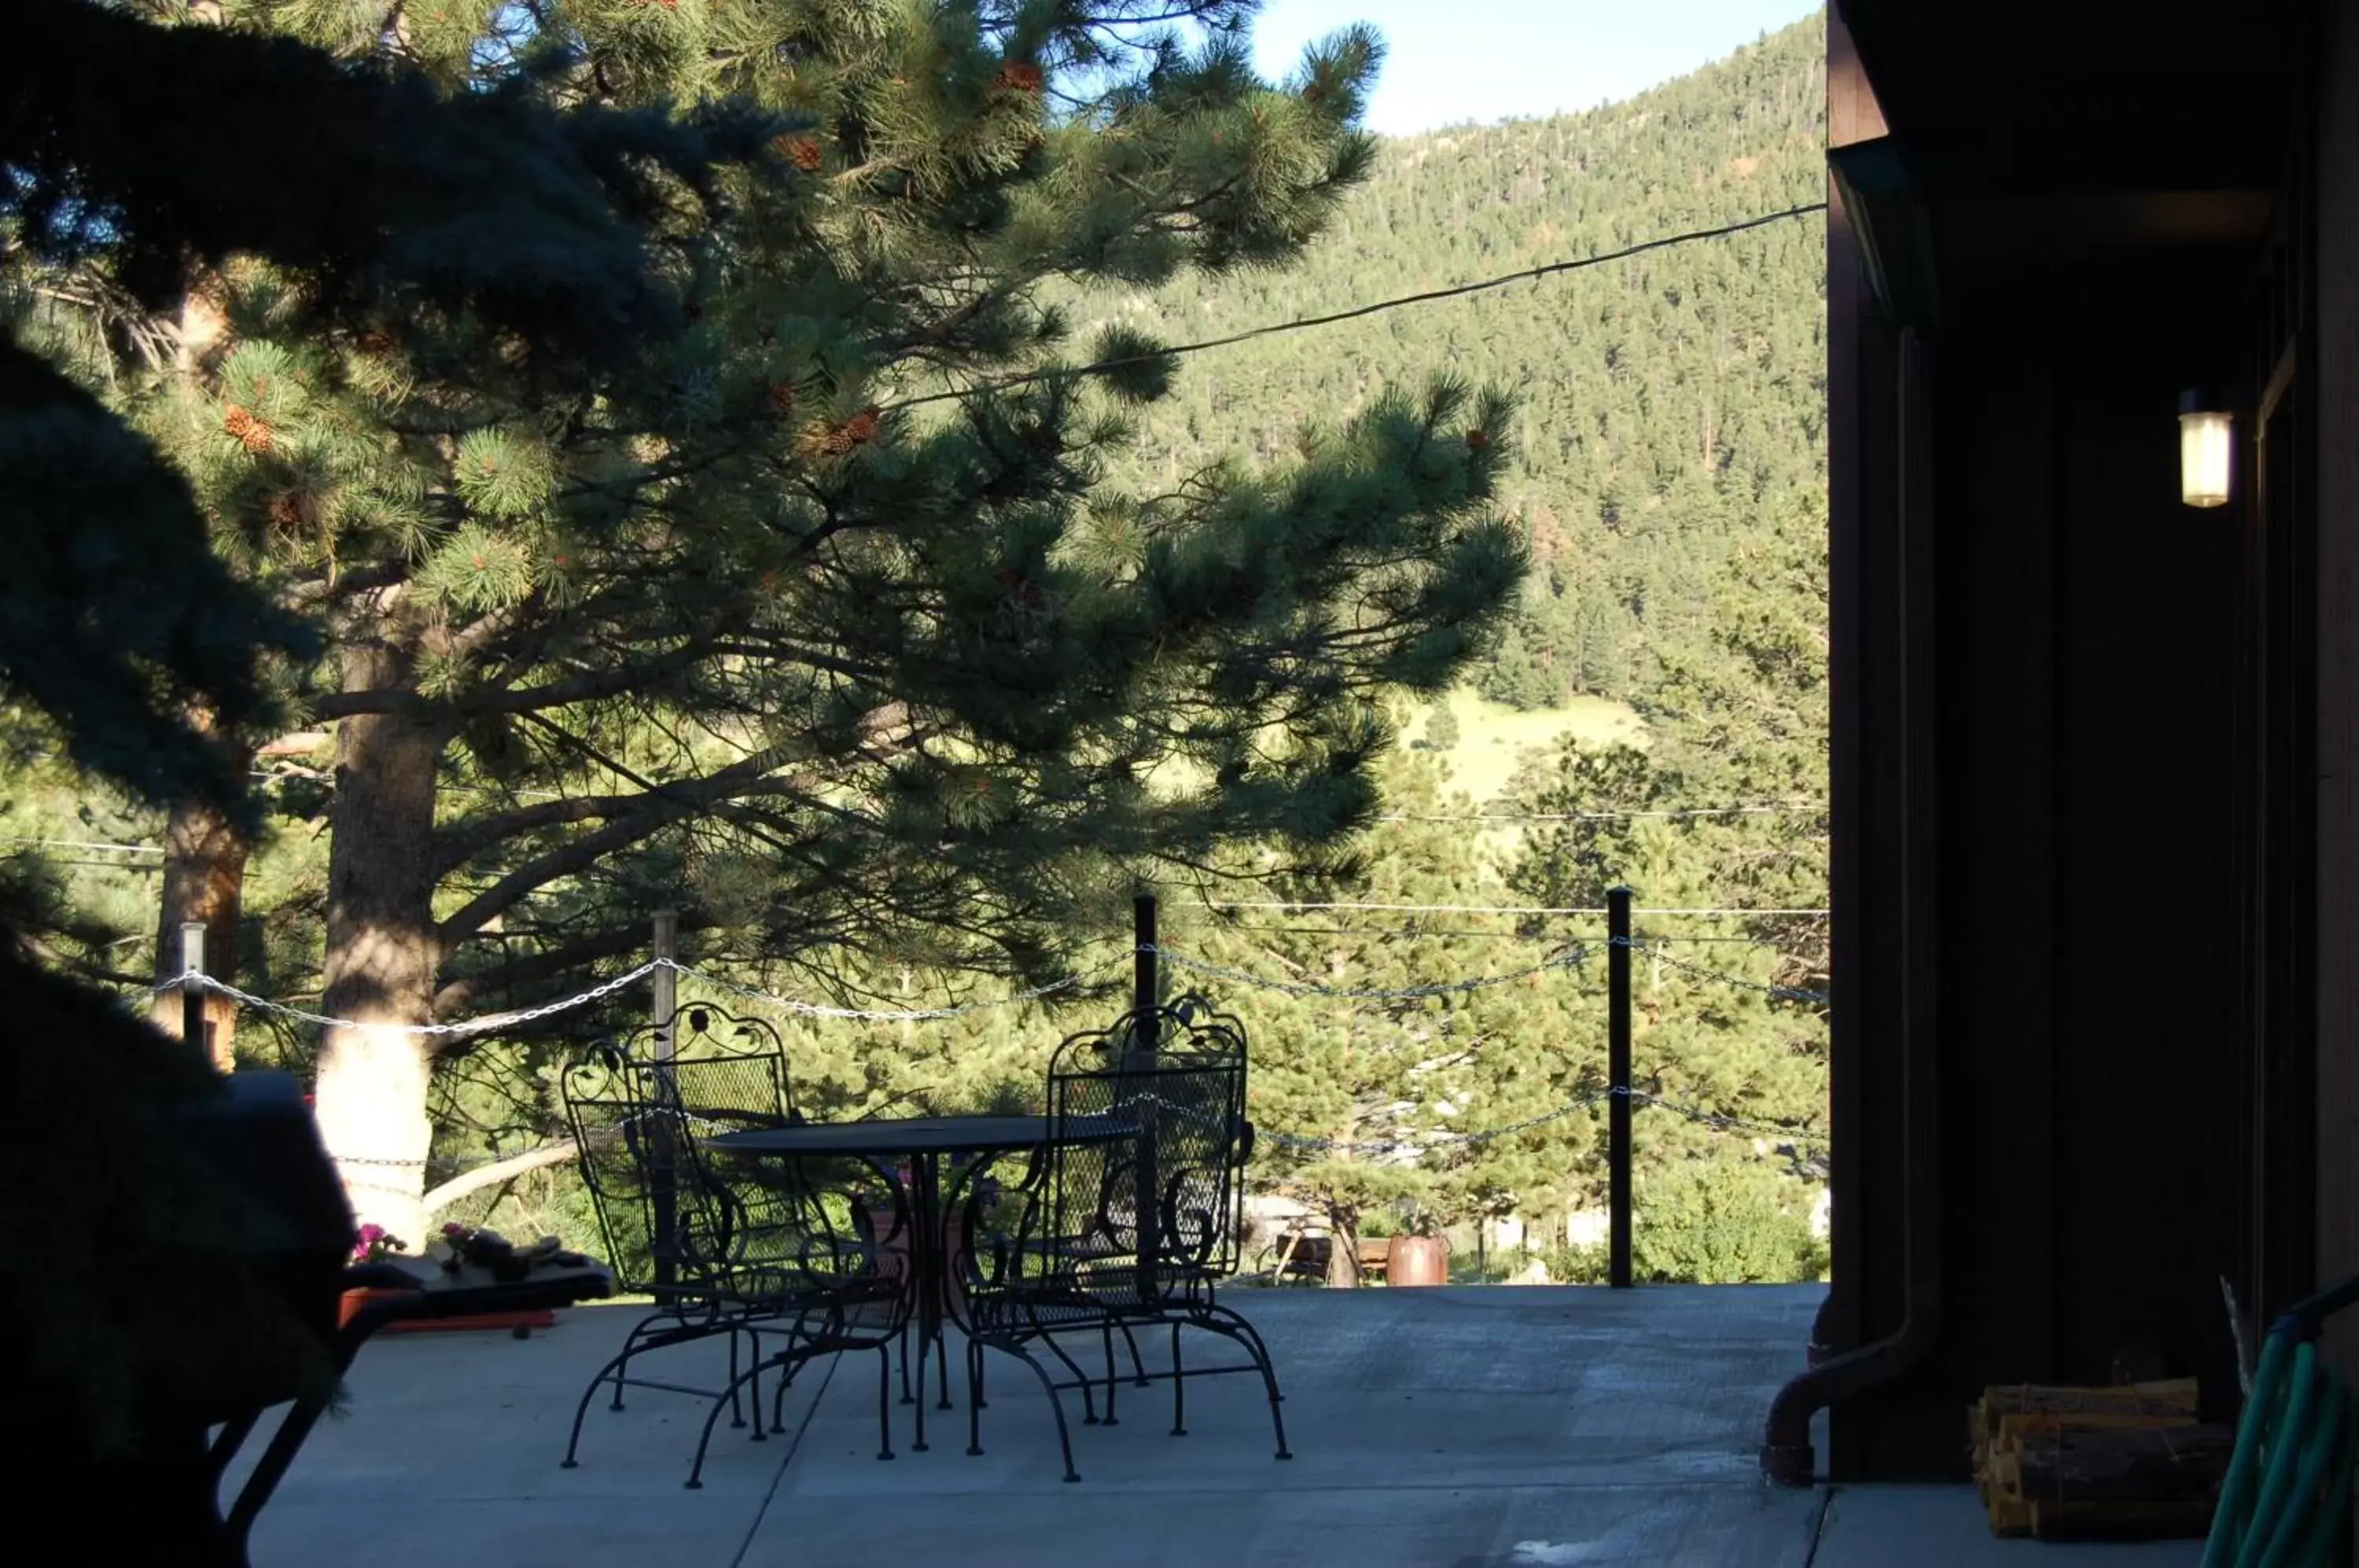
[
  {"x": 457, "y": 843},
  {"x": 464, "y": 991},
  {"x": 665, "y": 804},
  {"x": 437, "y": 1199}
]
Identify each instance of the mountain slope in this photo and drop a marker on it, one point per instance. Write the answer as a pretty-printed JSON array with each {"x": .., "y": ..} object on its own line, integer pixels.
[{"x": 1667, "y": 400}]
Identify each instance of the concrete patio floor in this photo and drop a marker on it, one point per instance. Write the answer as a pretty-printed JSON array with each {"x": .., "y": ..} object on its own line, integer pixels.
[{"x": 1477, "y": 1428}]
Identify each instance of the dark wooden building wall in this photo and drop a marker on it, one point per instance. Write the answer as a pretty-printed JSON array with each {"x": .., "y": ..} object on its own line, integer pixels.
[
  {"x": 2143, "y": 956},
  {"x": 2337, "y": 394},
  {"x": 2074, "y": 680},
  {"x": 2086, "y": 648}
]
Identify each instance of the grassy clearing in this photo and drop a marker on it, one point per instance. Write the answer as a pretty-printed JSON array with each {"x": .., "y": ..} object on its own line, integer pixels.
[{"x": 1494, "y": 739}]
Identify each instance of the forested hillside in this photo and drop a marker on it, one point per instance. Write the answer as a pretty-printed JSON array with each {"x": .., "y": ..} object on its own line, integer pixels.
[{"x": 1665, "y": 400}]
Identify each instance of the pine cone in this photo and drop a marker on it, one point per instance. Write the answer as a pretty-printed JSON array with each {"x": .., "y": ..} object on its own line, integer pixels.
[
  {"x": 293, "y": 509},
  {"x": 1020, "y": 76},
  {"x": 862, "y": 427},
  {"x": 377, "y": 340},
  {"x": 249, "y": 430},
  {"x": 782, "y": 398},
  {"x": 805, "y": 152},
  {"x": 1476, "y": 440}
]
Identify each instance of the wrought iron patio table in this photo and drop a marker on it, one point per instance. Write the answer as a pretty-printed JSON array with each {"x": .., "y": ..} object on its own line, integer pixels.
[{"x": 923, "y": 1141}]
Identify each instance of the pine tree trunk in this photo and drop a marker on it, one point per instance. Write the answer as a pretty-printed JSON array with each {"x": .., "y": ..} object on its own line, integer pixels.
[
  {"x": 205, "y": 879},
  {"x": 382, "y": 950}
]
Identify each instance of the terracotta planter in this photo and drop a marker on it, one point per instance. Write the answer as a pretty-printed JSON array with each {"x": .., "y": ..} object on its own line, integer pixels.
[
  {"x": 1417, "y": 1260},
  {"x": 893, "y": 1257},
  {"x": 355, "y": 1301}
]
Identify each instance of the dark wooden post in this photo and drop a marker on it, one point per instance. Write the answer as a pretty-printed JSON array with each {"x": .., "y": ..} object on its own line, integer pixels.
[
  {"x": 1618, "y": 1069},
  {"x": 1145, "y": 1042},
  {"x": 195, "y": 1028},
  {"x": 662, "y": 1177}
]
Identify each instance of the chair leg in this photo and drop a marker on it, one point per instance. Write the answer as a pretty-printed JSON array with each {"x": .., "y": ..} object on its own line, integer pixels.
[
  {"x": 1137, "y": 1367},
  {"x": 974, "y": 1397},
  {"x": 622, "y": 1363},
  {"x": 1106, "y": 1330},
  {"x": 1056, "y": 1404},
  {"x": 907, "y": 1397},
  {"x": 696, "y": 1471},
  {"x": 942, "y": 1361},
  {"x": 885, "y": 1399},
  {"x": 1088, "y": 1400},
  {"x": 736, "y": 1411},
  {"x": 613, "y": 1368},
  {"x": 1178, "y": 1387},
  {"x": 1229, "y": 1326}
]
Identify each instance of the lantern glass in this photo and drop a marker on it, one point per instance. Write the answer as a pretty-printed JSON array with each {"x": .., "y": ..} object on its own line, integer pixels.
[{"x": 2206, "y": 450}]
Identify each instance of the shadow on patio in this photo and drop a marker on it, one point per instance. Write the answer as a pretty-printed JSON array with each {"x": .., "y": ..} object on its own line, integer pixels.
[{"x": 1440, "y": 1429}]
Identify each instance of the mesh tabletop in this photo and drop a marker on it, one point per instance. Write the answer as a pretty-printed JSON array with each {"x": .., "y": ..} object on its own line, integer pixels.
[{"x": 920, "y": 1135}]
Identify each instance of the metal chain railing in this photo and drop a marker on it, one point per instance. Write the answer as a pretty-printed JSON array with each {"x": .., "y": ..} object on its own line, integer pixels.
[
  {"x": 1574, "y": 957},
  {"x": 465, "y": 1027},
  {"x": 608, "y": 987}
]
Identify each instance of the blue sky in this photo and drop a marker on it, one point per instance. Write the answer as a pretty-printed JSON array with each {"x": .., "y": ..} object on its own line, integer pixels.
[{"x": 1449, "y": 61}]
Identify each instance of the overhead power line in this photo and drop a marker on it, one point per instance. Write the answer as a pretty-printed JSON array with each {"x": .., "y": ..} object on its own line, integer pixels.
[
  {"x": 1300, "y": 324},
  {"x": 1500, "y": 909},
  {"x": 1793, "y": 811}
]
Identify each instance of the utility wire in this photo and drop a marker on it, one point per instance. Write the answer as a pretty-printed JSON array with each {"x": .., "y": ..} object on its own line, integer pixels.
[
  {"x": 1493, "y": 935},
  {"x": 1599, "y": 816},
  {"x": 1504, "y": 910},
  {"x": 1298, "y": 323}
]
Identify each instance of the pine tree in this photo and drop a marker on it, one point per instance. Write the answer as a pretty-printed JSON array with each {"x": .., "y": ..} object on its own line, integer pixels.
[
  {"x": 815, "y": 630},
  {"x": 1366, "y": 1097},
  {"x": 125, "y": 150},
  {"x": 1441, "y": 727},
  {"x": 1515, "y": 677},
  {"x": 1739, "y": 719}
]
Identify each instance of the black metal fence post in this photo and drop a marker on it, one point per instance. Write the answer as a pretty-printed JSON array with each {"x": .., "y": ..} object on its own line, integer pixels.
[
  {"x": 1145, "y": 1042},
  {"x": 1618, "y": 1069}
]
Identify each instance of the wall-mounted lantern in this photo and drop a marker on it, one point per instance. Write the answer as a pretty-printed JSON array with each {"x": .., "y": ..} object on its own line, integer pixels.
[{"x": 2207, "y": 445}]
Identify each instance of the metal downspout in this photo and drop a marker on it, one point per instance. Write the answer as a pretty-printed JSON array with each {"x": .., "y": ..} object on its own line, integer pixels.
[{"x": 1787, "y": 1456}]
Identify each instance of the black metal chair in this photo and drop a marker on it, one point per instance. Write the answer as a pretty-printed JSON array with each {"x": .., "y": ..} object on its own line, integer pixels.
[
  {"x": 725, "y": 1247},
  {"x": 806, "y": 1240},
  {"x": 1063, "y": 1251}
]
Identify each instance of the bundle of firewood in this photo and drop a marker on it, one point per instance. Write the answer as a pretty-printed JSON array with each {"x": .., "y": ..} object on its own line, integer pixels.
[{"x": 2118, "y": 1464}]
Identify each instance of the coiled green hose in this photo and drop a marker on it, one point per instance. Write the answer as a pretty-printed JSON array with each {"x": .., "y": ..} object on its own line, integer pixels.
[{"x": 2286, "y": 1502}]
